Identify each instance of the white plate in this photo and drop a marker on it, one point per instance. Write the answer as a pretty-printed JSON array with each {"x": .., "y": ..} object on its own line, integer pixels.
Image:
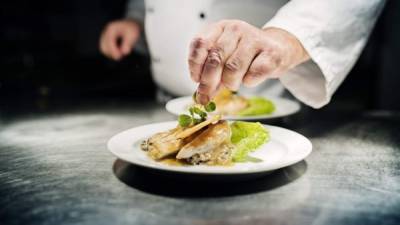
[
  {"x": 285, "y": 148},
  {"x": 284, "y": 107}
]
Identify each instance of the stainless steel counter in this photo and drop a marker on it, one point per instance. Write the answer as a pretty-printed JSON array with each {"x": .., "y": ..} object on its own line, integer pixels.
[{"x": 55, "y": 169}]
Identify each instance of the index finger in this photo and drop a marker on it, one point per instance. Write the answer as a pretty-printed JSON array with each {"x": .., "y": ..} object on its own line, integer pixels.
[{"x": 199, "y": 49}]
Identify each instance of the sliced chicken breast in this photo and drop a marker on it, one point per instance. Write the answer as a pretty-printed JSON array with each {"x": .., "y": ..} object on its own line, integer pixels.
[{"x": 207, "y": 141}]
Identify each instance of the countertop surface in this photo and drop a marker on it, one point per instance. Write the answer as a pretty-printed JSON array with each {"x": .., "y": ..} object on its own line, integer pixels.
[{"x": 55, "y": 169}]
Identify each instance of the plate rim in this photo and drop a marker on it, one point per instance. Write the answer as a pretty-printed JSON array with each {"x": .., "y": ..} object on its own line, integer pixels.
[
  {"x": 111, "y": 141},
  {"x": 169, "y": 108}
]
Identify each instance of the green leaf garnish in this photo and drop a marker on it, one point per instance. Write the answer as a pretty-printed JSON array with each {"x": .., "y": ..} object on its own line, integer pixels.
[
  {"x": 184, "y": 120},
  {"x": 210, "y": 107},
  {"x": 198, "y": 120},
  {"x": 199, "y": 112},
  {"x": 191, "y": 111},
  {"x": 247, "y": 137}
]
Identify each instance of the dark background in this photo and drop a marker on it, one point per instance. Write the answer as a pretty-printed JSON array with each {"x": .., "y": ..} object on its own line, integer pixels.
[{"x": 49, "y": 53}]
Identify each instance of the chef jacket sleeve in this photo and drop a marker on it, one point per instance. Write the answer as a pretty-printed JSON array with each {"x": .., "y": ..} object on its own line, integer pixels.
[
  {"x": 136, "y": 10},
  {"x": 334, "y": 34}
]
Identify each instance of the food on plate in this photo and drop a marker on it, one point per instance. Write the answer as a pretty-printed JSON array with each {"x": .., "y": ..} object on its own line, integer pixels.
[
  {"x": 230, "y": 103},
  {"x": 212, "y": 146},
  {"x": 198, "y": 139},
  {"x": 169, "y": 142},
  {"x": 257, "y": 106}
]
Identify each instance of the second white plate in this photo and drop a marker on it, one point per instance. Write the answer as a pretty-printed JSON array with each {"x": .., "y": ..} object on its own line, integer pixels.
[{"x": 284, "y": 107}]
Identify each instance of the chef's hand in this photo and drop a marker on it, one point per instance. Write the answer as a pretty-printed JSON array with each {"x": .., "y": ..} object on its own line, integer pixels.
[
  {"x": 118, "y": 38},
  {"x": 231, "y": 52}
]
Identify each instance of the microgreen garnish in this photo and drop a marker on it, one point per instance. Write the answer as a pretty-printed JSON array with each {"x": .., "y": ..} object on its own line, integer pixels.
[
  {"x": 185, "y": 120},
  {"x": 210, "y": 107},
  {"x": 197, "y": 113}
]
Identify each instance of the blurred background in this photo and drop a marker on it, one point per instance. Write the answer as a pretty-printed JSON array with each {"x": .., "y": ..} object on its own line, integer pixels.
[{"x": 49, "y": 55}]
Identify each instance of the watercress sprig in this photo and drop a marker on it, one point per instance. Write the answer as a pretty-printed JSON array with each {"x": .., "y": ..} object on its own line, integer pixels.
[{"x": 196, "y": 115}]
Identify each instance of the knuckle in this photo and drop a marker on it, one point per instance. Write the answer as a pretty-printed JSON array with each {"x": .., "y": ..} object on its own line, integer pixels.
[
  {"x": 258, "y": 42},
  {"x": 234, "y": 27},
  {"x": 233, "y": 64},
  {"x": 218, "y": 49},
  {"x": 194, "y": 57},
  {"x": 238, "y": 24},
  {"x": 198, "y": 42},
  {"x": 214, "y": 58},
  {"x": 272, "y": 52},
  {"x": 260, "y": 70},
  {"x": 256, "y": 75},
  {"x": 192, "y": 60},
  {"x": 213, "y": 62}
]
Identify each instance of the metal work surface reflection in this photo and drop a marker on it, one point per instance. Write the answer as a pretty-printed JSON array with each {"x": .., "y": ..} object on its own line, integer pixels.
[
  {"x": 188, "y": 185},
  {"x": 55, "y": 169}
]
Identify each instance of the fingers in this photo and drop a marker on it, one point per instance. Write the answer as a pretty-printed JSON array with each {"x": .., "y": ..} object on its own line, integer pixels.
[
  {"x": 210, "y": 78},
  {"x": 227, "y": 42},
  {"x": 127, "y": 31},
  {"x": 237, "y": 65},
  {"x": 109, "y": 42},
  {"x": 233, "y": 52},
  {"x": 114, "y": 51},
  {"x": 264, "y": 66},
  {"x": 197, "y": 55},
  {"x": 104, "y": 43},
  {"x": 129, "y": 38},
  {"x": 199, "y": 49}
]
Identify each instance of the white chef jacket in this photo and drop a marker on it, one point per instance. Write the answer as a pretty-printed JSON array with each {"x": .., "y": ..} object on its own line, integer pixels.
[{"x": 332, "y": 32}]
